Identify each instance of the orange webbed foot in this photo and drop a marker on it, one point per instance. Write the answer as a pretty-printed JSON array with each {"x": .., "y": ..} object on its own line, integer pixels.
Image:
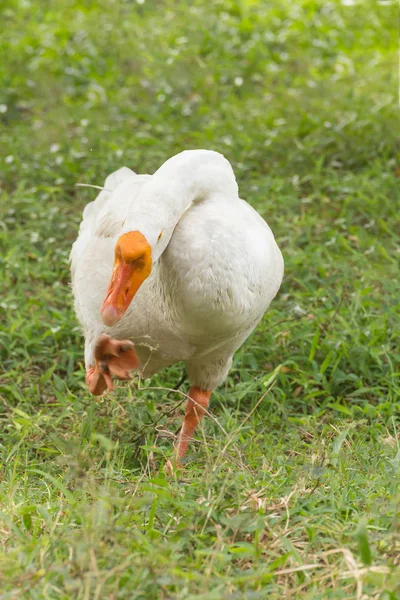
[{"x": 113, "y": 358}]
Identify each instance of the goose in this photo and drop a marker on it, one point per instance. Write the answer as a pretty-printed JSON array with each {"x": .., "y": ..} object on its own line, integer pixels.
[{"x": 172, "y": 267}]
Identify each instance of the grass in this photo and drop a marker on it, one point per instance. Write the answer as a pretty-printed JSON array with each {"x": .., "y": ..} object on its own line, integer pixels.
[{"x": 292, "y": 489}]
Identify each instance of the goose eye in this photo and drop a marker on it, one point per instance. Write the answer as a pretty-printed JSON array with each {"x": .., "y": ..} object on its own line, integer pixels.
[{"x": 159, "y": 237}]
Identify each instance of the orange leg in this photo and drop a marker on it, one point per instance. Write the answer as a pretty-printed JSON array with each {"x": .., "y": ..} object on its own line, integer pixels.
[
  {"x": 113, "y": 357},
  {"x": 195, "y": 409}
]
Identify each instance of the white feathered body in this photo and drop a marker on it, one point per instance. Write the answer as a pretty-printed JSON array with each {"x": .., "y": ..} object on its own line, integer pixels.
[{"x": 209, "y": 286}]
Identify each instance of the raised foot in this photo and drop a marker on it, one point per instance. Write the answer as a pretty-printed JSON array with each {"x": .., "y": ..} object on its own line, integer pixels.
[{"x": 113, "y": 358}]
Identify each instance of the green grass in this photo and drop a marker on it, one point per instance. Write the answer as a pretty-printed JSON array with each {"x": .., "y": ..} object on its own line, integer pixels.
[{"x": 292, "y": 488}]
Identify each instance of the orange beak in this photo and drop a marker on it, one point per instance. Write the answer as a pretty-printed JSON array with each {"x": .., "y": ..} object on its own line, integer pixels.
[{"x": 132, "y": 265}]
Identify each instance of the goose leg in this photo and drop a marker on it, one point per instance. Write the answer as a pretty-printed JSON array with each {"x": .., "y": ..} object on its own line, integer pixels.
[
  {"x": 112, "y": 357},
  {"x": 196, "y": 407}
]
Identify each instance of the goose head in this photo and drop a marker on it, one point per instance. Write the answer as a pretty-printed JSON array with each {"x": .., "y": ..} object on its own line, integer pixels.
[{"x": 132, "y": 265}]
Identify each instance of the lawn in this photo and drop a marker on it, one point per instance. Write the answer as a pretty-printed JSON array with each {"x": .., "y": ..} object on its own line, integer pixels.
[{"x": 292, "y": 487}]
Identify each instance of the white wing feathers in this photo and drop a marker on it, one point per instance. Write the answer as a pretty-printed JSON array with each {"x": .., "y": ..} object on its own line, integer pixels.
[
  {"x": 104, "y": 216},
  {"x": 93, "y": 209}
]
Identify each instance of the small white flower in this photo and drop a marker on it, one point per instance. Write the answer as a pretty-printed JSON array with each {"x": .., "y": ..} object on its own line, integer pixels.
[
  {"x": 119, "y": 152},
  {"x": 298, "y": 310},
  {"x": 34, "y": 237},
  {"x": 84, "y": 122},
  {"x": 186, "y": 110},
  {"x": 238, "y": 81},
  {"x": 3, "y": 108},
  {"x": 54, "y": 148},
  {"x": 273, "y": 67},
  {"x": 59, "y": 160},
  {"x": 9, "y": 159},
  {"x": 140, "y": 1}
]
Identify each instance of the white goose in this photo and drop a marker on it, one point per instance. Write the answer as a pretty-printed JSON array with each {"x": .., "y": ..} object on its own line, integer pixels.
[{"x": 172, "y": 267}]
